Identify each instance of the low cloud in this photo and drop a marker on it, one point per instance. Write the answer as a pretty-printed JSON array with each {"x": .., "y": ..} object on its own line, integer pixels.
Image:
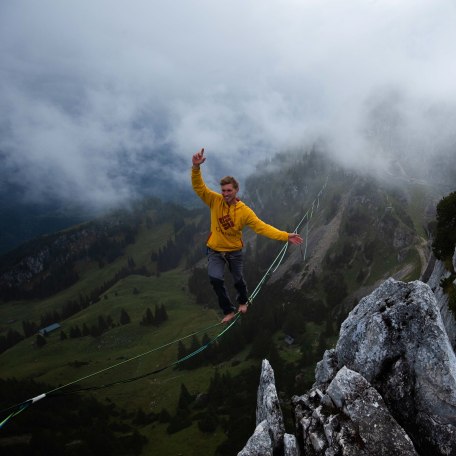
[{"x": 98, "y": 97}]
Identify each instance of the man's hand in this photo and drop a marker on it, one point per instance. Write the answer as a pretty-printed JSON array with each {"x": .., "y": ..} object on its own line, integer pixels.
[
  {"x": 198, "y": 158},
  {"x": 294, "y": 238}
]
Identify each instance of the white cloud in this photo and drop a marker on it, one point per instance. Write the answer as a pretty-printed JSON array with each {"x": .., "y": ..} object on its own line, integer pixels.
[{"x": 91, "y": 91}]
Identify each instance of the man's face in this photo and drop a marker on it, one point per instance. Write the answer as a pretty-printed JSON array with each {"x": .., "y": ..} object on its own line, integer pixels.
[{"x": 229, "y": 193}]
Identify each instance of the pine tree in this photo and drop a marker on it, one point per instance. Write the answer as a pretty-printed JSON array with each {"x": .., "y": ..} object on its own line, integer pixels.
[
  {"x": 140, "y": 418},
  {"x": 322, "y": 346},
  {"x": 181, "y": 352},
  {"x": 3, "y": 345},
  {"x": 124, "y": 317},
  {"x": 40, "y": 341},
  {"x": 13, "y": 337},
  {"x": 208, "y": 422},
  {"x": 85, "y": 330},
  {"x": 164, "y": 416},
  {"x": 185, "y": 398},
  {"x": 148, "y": 318},
  {"x": 156, "y": 319},
  {"x": 102, "y": 324},
  {"x": 209, "y": 354},
  {"x": 163, "y": 314},
  {"x": 445, "y": 235},
  {"x": 233, "y": 342},
  {"x": 194, "y": 361},
  {"x": 95, "y": 331},
  {"x": 75, "y": 332},
  {"x": 218, "y": 387},
  {"x": 29, "y": 327},
  {"x": 78, "y": 332},
  {"x": 131, "y": 263},
  {"x": 307, "y": 349}
]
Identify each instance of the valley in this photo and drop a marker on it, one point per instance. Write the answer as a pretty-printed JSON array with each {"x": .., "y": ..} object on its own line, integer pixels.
[{"x": 152, "y": 257}]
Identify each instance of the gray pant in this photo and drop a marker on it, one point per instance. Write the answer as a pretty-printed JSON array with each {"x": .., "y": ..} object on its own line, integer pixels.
[{"x": 216, "y": 262}]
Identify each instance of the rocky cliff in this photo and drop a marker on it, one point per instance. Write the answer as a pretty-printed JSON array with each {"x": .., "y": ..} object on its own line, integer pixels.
[
  {"x": 433, "y": 276},
  {"x": 387, "y": 388}
]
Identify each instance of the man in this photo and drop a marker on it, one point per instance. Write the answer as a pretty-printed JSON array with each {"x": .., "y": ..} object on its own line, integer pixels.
[{"x": 229, "y": 216}]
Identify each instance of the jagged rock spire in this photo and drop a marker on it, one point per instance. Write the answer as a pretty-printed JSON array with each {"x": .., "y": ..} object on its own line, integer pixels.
[{"x": 269, "y": 437}]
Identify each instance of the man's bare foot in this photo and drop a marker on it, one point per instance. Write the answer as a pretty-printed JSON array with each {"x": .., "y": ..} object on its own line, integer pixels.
[
  {"x": 243, "y": 308},
  {"x": 228, "y": 317}
]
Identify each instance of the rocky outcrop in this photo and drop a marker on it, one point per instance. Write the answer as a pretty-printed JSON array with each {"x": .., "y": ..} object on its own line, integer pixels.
[
  {"x": 268, "y": 408},
  {"x": 260, "y": 443},
  {"x": 433, "y": 277},
  {"x": 388, "y": 387},
  {"x": 269, "y": 437},
  {"x": 349, "y": 417},
  {"x": 395, "y": 338}
]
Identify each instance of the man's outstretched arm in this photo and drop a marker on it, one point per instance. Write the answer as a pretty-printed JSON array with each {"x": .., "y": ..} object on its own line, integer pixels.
[{"x": 262, "y": 228}]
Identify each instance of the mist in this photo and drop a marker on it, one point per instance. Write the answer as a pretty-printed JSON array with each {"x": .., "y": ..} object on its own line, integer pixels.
[{"x": 103, "y": 99}]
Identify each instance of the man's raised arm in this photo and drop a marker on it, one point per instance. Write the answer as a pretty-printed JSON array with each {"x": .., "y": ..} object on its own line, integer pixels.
[{"x": 198, "y": 158}]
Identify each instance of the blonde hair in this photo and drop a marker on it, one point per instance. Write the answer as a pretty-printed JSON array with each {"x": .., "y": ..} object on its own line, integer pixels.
[{"x": 229, "y": 180}]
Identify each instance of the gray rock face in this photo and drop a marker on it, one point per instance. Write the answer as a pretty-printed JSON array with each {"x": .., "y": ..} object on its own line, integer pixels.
[
  {"x": 327, "y": 368},
  {"x": 349, "y": 418},
  {"x": 260, "y": 444},
  {"x": 438, "y": 273},
  {"x": 290, "y": 445},
  {"x": 402, "y": 238},
  {"x": 268, "y": 406},
  {"x": 269, "y": 418},
  {"x": 396, "y": 339},
  {"x": 388, "y": 388}
]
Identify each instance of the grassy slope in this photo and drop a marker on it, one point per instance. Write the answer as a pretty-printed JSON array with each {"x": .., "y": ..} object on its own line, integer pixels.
[
  {"x": 153, "y": 393},
  {"x": 91, "y": 276}
]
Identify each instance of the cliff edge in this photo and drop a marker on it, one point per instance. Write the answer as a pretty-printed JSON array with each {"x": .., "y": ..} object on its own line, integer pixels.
[{"x": 387, "y": 388}]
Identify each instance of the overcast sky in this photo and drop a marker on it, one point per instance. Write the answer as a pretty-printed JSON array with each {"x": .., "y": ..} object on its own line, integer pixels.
[{"x": 94, "y": 93}]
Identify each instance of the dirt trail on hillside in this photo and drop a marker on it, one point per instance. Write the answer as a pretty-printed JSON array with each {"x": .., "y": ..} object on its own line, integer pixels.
[{"x": 423, "y": 251}]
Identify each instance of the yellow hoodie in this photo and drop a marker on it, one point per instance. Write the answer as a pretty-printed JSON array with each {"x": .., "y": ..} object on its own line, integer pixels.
[{"x": 227, "y": 221}]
